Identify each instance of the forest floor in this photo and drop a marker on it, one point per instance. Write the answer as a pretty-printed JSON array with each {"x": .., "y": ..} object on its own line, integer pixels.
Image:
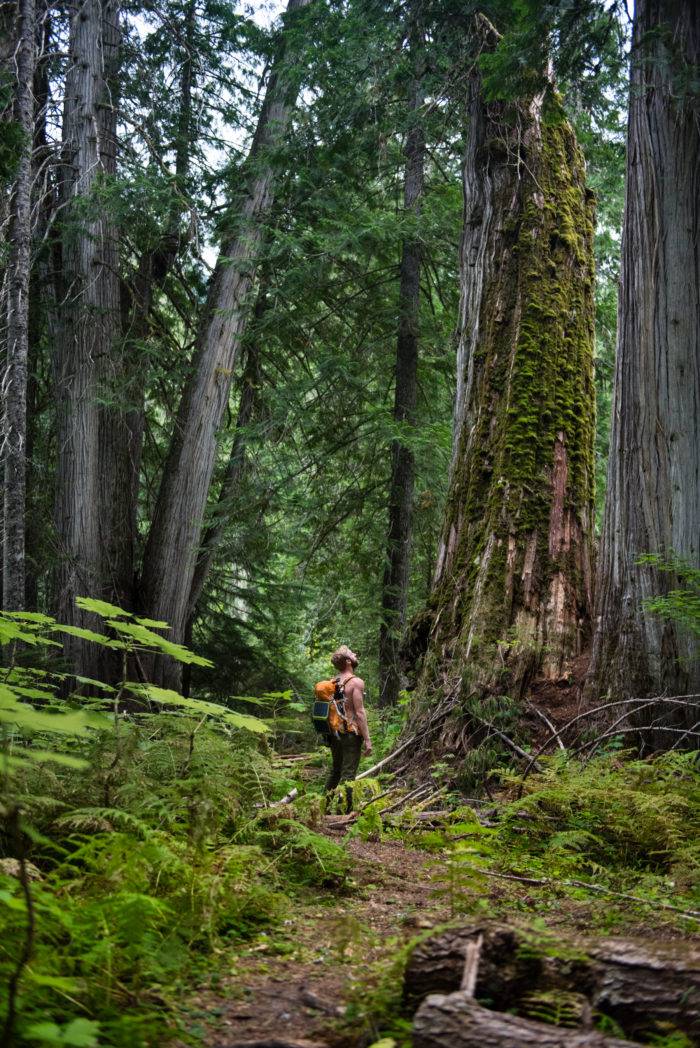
[{"x": 294, "y": 984}]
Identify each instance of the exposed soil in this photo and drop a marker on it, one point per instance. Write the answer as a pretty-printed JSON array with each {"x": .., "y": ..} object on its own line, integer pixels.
[
  {"x": 560, "y": 700},
  {"x": 293, "y": 985}
]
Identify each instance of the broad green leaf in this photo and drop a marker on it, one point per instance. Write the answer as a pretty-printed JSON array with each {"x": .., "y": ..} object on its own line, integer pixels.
[
  {"x": 80, "y": 631},
  {"x": 101, "y": 607},
  {"x": 29, "y": 719},
  {"x": 78, "y": 1033},
  {"x": 154, "y": 640},
  {"x": 199, "y": 707},
  {"x": 95, "y": 683},
  {"x": 8, "y": 699},
  {"x": 244, "y": 720},
  {"x": 32, "y": 693},
  {"x": 154, "y": 624},
  {"x": 30, "y": 616},
  {"x": 10, "y": 631}
]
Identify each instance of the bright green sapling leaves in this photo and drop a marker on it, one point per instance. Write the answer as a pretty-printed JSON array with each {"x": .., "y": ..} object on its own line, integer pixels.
[{"x": 31, "y": 704}]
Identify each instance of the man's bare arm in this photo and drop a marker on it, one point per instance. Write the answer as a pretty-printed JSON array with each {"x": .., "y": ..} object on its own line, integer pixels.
[{"x": 356, "y": 689}]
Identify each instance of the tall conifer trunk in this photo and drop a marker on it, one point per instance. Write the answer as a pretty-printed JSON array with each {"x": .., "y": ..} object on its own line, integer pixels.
[
  {"x": 93, "y": 547},
  {"x": 653, "y": 495},
  {"x": 512, "y": 587},
  {"x": 398, "y": 548},
  {"x": 173, "y": 542},
  {"x": 14, "y": 435}
]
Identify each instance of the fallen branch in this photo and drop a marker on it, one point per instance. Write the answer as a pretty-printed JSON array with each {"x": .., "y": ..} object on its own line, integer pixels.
[
  {"x": 386, "y": 760},
  {"x": 551, "y": 882},
  {"x": 674, "y": 700},
  {"x": 407, "y": 797},
  {"x": 379, "y": 797},
  {"x": 545, "y": 719}
]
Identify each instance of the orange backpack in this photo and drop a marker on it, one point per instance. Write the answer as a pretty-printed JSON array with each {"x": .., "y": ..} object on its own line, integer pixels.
[{"x": 328, "y": 712}]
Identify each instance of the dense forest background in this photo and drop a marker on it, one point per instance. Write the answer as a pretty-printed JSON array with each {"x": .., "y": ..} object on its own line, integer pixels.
[
  {"x": 368, "y": 323},
  {"x": 293, "y": 524}
]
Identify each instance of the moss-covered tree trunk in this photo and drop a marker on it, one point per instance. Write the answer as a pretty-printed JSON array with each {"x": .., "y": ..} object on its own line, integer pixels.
[{"x": 512, "y": 588}]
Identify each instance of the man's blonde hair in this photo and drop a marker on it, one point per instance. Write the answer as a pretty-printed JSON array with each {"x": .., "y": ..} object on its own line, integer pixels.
[{"x": 341, "y": 655}]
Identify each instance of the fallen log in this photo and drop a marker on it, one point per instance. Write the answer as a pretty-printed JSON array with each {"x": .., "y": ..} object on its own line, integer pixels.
[
  {"x": 644, "y": 986},
  {"x": 458, "y": 1021}
]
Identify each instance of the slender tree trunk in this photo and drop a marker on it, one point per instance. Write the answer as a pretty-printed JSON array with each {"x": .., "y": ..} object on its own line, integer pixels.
[
  {"x": 174, "y": 538},
  {"x": 156, "y": 265},
  {"x": 15, "y": 379},
  {"x": 42, "y": 309},
  {"x": 93, "y": 558},
  {"x": 398, "y": 549},
  {"x": 512, "y": 588},
  {"x": 214, "y": 534},
  {"x": 653, "y": 494}
]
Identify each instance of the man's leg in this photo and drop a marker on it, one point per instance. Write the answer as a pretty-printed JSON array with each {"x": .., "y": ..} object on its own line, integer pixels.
[
  {"x": 336, "y": 764},
  {"x": 351, "y": 753}
]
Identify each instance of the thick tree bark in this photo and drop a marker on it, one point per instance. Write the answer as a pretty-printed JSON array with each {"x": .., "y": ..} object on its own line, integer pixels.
[
  {"x": 94, "y": 545},
  {"x": 14, "y": 436},
  {"x": 653, "y": 495},
  {"x": 398, "y": 549},
  {"x": 174, "y": 538},
  {"x": 645, "y": 986},
  {"x": 512, "y": 588}
]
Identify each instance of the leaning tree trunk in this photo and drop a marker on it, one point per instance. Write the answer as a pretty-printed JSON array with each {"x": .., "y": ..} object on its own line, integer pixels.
[
  {"x": 14, "y": 385},
  {"x": 173, "y": 542},
  {"x": 91, "y": 557},
  {"x": 398, "y": 549},
  {"x": 512, "y": 589},
  {"x": 653, "y": 495}
]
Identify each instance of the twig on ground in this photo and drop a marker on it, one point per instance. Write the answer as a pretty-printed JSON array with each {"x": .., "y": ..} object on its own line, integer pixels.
[
  {"x": 379, "y": 797},
  {"x": 545, "y": 719},
  {"x": 544, "y": 881},
  {"x": 407, "y": 797}
]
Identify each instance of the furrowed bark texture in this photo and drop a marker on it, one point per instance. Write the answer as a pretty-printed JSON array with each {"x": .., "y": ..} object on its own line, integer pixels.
[
  {"x": 513, "y": 574},
  {"x": 230, "y": 485},
  {"x": 398, "y": 550},
  {"x": 173, "y": 542},
  {"x": 93, "y": 560},
  {"x": 653, "y": 494},
  {"x": 156, "y": 265},
  {"x": 15, "y": 380}
]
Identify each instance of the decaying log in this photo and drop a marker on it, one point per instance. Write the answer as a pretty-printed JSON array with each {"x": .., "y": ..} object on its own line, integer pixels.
[
  {"x": 458, "y": 1021},
  {"x": 642, "y": 985}
]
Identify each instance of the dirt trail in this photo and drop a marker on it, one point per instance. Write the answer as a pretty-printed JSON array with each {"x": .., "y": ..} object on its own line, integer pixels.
[{"x": 291, "y": 985}]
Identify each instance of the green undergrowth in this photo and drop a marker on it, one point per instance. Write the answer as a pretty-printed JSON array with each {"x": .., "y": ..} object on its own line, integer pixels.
[
  {"x": 562, "y": 850},
  {"x": 137, "y": 849},
  {"x": 582, "y": 837}
]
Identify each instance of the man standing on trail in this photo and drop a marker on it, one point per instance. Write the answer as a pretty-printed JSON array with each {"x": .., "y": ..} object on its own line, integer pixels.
[{"x": 346, "y": 749}]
